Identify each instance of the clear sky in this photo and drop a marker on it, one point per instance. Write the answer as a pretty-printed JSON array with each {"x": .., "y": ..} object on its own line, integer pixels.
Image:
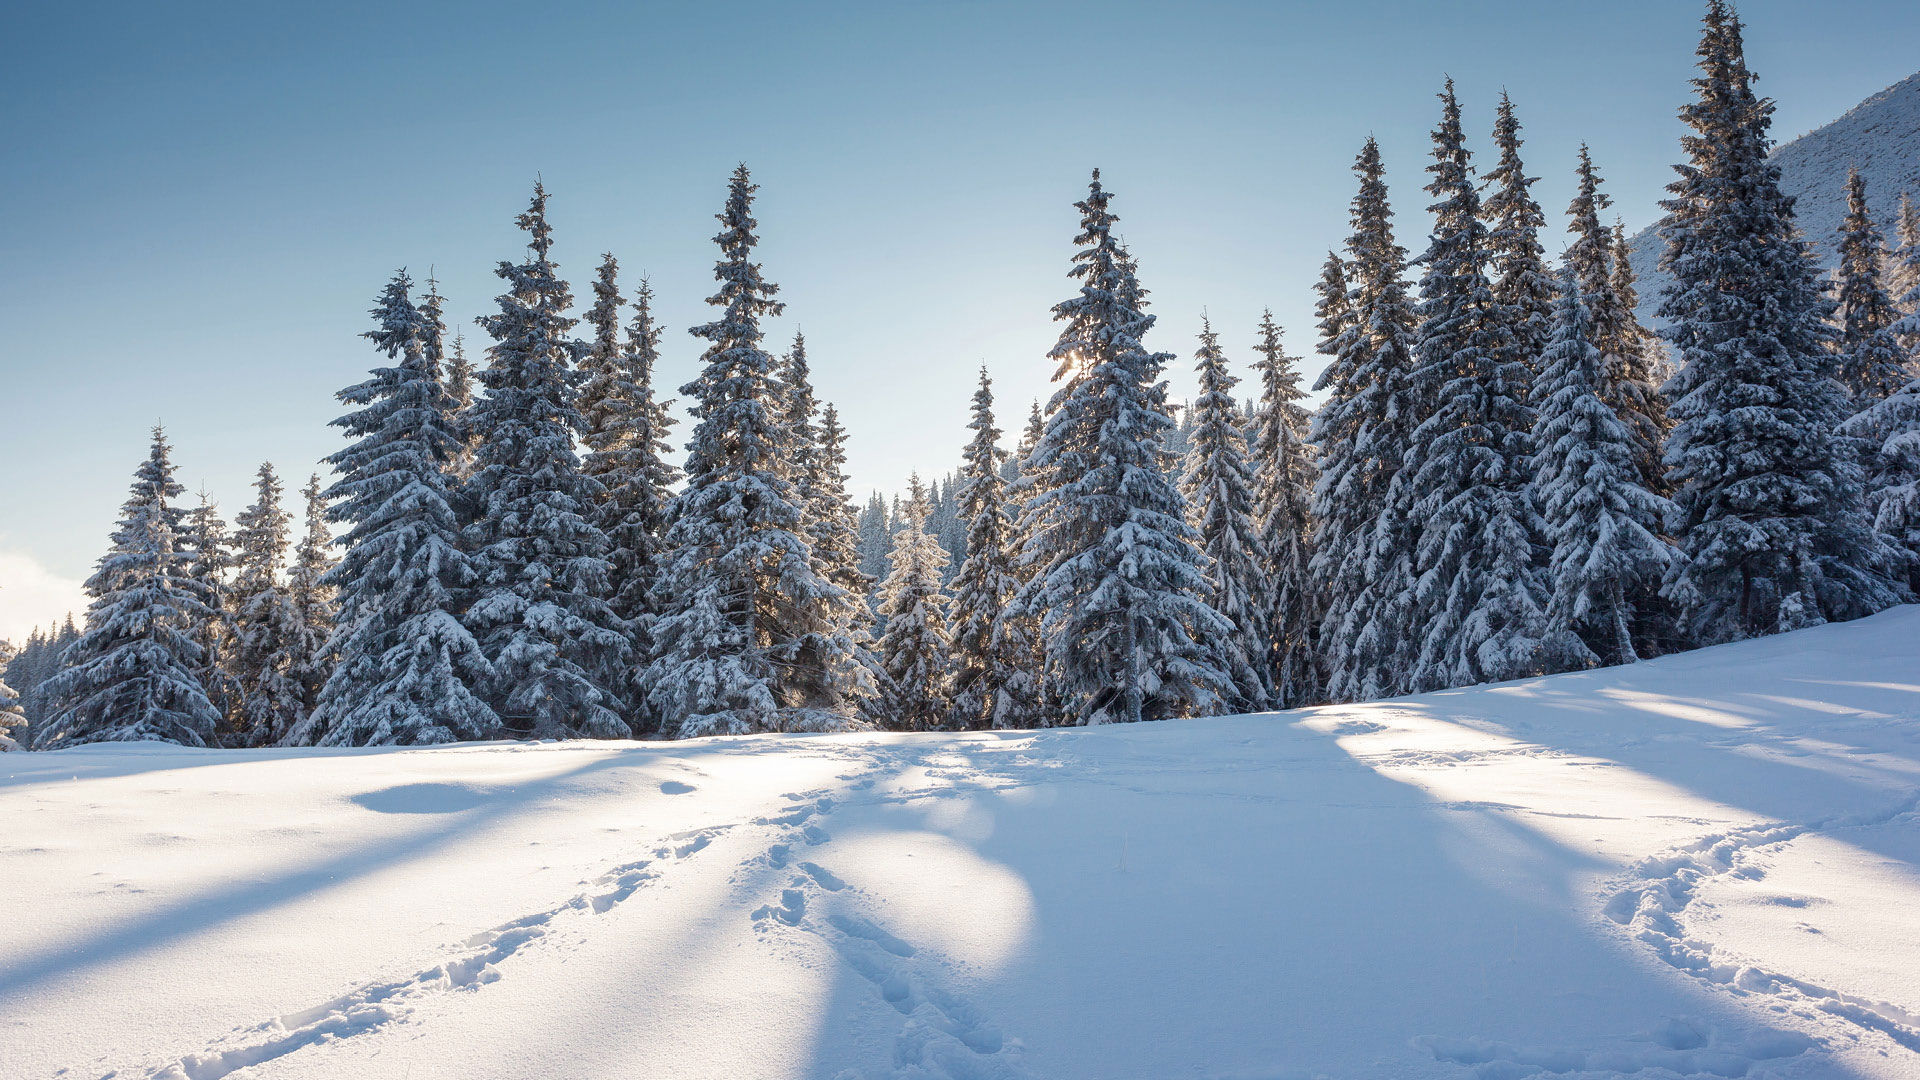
[{"x": 202, "y": 200}]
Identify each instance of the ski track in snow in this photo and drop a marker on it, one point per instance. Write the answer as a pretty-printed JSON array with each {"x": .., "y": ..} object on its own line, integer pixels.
[
  {"x": 1652, "y": 905},
  {"x": 372, "y": 1006}
]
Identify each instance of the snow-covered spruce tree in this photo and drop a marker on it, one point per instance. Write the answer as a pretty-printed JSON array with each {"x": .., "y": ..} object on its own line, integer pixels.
[
  {"x": 207, "y": 548},
  {"x": 309, "y": 658},
  {"x": 834, "y": 528},
  {"x": 743, "y": 644},
  {"x": 13, "y": 716},
  {"x": 625, "y": 435},
  {"x": 541, "y": 613},
  {"x": 1626, "y": 383},
  {"x": 916, "y": 652},
  {"x": 1871, "y": 362},
  {"x": 816, "y": 453},
  {"x": 458, "y": 385},
  {"x": 1891, "y": 428},
  {"x": 1119, "y": 587},
  {"x": 448, "y": 369},
  {"x": 409, "y": 672},
  {"x": 1775, "y": 534},
  {"x": 1603, "y": 524},
  {"x": 266, "y": 624},
  {"x": 1283, "y": 474},
  {"x": 874, "y": 543},
  {"x": 1016, "y": 631},
  {"x": 1218, "y": 485},
  {"x": 1363, "y": 551},
  {"x": 1478, "y": 600},
  {"x": 130, "y": 676},
  {"x": 1523, "y": 289},
  {"x": 1903, "y": 278},
  {"x": 986, "y": 582},
  {"x": 798, "y": 408}
]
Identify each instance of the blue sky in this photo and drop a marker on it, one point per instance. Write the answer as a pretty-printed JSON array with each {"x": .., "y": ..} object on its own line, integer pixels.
[{"x": 202, "y": 200}]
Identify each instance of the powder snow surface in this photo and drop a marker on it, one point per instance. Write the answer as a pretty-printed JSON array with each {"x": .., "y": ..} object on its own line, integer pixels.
[{"x": 1703, "y": 865}]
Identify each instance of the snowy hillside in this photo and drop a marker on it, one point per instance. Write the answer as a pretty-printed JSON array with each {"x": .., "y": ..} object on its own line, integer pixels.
[
  {"x": 1705, "y": 864},
  {"x": 1881, "y": 135}
]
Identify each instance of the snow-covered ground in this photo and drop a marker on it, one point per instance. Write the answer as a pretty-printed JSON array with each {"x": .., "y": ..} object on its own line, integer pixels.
[{"x": 1706, "y": 864}]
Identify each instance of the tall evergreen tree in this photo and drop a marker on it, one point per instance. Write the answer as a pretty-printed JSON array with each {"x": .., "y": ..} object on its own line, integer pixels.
[
  {"x": 266, "y": 623},
  {"x": 1282, "y": 507},
  {"x": 1627, "y": 382},
  {"x": 205, "y": 544},
  {"x": 541, "y": 612},
  {"x": 874, "y": 543},
  {"x": 1891, "y": 428},
  {"x": 1871, "y": 362},
  {"x": 1476, "y": 609},
  {"x": 985, "y": 585},
  {"x": 837, "y": 530},
  {"x": 1775, "y": 534},
  {"x": 1903, "y": 278},
  {"x": 310, "y": 659},
  {"x": 1218, "y": 485},
  {"x": 1523, "y": 289},
  {"x": 1119, "y": 588},
  {"x": 743, "y": 644},
  {"x": 1363, "y": 554},
  {"x": 1603, "y": 525},
  {"x": 409, "y": 672},
  {"x": 915, "y": 648},
  {"x": 13, "y": 716},
  {"x": 130, "y": 676}
]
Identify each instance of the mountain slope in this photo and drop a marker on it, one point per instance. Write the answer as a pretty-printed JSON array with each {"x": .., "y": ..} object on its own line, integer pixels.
[
  {"x": 1702, "y": 864},
  {"x": 1881, "y": 135}
]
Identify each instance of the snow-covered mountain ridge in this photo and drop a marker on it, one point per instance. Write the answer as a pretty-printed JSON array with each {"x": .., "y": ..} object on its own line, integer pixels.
[
  {"x": 1881, "y": 136},
  {"x": 1701, "y": 865}
]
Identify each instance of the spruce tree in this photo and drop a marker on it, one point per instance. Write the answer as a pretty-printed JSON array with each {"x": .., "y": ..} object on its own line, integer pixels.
[
  {"x": 1218, "y": 485},
  {"x": 1627, "y": 382},
  {"x": 1016, "y": 632},
  {"x": 541, "y": 613},
  {"x": 1476, "y": 608},
  {"x": 816, "y": 454},
  {"x": 625, "y": 434},
  {"x": 1283, "y": 472},
  {"x": 1523, "y": 289},
  {"x": 1603, "y": 525},
  {"x": 1903, "y": 279},
  {"x": 309, "y": 658},
  {"x": 915, "y": 648},
  {"x": 1871, "y": 362},
  {"x": 835, "y": 530},
  {"x": 743, "y": 644},
  {"x": 130, "y": 676},
  {"x": 874, "y": 543},
  {"x": 985, "y": 584},
  {"x": 13, "y": 716},
  {"x": 1119, "y": 587},
  {"x": 1774, "y": 528},
  {"x": 207, "y": 547},
  {"x": 266, "y": 623},
  {"x": 1891, "y": 429},
  {"x": 409, "y": 672},
  {"x": 1363, "y": 553}
]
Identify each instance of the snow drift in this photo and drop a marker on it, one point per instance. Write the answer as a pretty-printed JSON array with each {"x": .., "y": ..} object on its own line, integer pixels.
[{"x": 1707, "y": 864}]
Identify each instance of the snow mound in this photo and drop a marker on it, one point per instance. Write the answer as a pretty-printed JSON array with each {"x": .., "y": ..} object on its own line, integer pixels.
[{"x": 1702, "y": 865}]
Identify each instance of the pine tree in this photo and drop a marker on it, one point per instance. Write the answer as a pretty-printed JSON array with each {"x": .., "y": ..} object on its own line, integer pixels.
[
  {"x": 266, "y": 623},
  {"x": 742, "y": 645},
  {"x": 541, "y": 613},
  {"x": 985, "y": 583},
  {"x": 1363, "y": 552},
  {"x": 1891, "y": 428},
  {"x": 1523, "y": 290},
  {"x": 1282, "y": 507},
  {"x": 837, "y": 530},
  {"x": 130, "y": 676},
  {"x": 1871, "y": 362},
  {"x": 1903, "y": 279},
  {"x": 1627, "y": 382},
  {"x": 1603, "y": 525},
  {"x": 458, "y": 386},
  {"x": 1118, "y": 586},
  {"x": 1476, "y": 609},
  {"x": 203, "y": 541},
  {"x": 915, "y": 648},
  {"x": 1218, "y": 485},
  {"x": 409, "y": 672},
  {"x": 13, "y": 716},
  {"x": 874, "y": 542},
  {"x": 309, "y": 659},
  {"x": 626, "y": 429},
  {"x": 1775, "y": 534},
  {"x": 816, "y": 454}
]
